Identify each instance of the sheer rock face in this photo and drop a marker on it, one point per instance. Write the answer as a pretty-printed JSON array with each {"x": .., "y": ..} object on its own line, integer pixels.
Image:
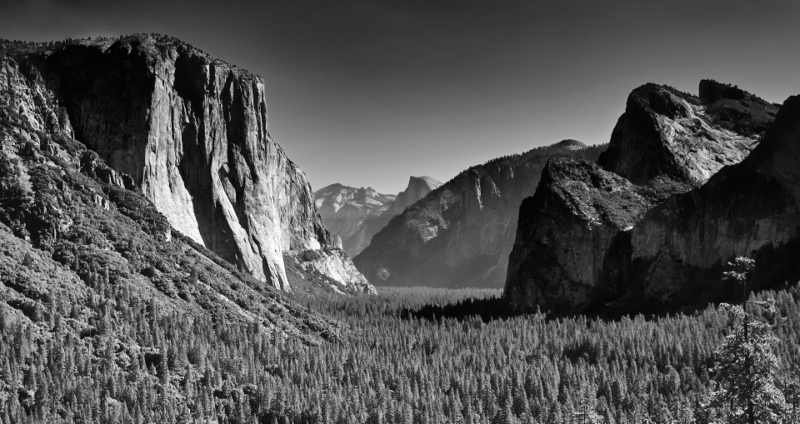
[
  {"x": 190, "y": 132},
  {"x": 666, "y": 134},
  {"x": 70, "y": 225},
  {"x": 460, "y": 234},
  {"x": 418, "y": 187},
  {"x": 568, "y": 258},
  {"x": 568, "y": 234},
  {"x": 751, "y": 209},
  {"x": 356, "y": 215}
]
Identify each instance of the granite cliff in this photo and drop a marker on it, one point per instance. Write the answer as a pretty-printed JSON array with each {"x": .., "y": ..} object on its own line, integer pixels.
[
  {"x": 75, "y": 241},
  {"x": 356, "y": 215},
  {"x": 460, "y": 234},
  {"x": 189, "y": 132},
  {"x": 573, "y": 247},
  {"x": 679, "y": 249},
  {"x": 418, "y": 187}
]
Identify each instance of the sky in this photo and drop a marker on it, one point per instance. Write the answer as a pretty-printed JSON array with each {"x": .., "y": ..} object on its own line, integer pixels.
[{"x": 370, "y": 92}]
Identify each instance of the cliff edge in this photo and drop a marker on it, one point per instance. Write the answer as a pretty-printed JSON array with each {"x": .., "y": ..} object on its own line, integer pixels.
[{"x": 190, "y": 133}]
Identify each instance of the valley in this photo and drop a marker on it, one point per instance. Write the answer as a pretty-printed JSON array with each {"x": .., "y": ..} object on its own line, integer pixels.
[{"x": 162, "y": 259}]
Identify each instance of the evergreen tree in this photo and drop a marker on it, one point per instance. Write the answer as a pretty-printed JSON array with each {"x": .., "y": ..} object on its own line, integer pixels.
[{"x": 745, "y": 364}]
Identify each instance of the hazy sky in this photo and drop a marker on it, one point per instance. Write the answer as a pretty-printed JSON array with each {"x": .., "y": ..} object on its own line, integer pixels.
[{"x": 366, "y": 93}]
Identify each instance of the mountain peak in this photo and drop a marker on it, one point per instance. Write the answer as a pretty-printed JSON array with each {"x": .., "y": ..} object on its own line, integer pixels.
[
  {"x": 418, "y": 187},
  {"x": 424, "y": 179},
  {"x": 570, "y": 144},
  {"x": 352, "y": 214},
  {"x": 703, "y": 135}
]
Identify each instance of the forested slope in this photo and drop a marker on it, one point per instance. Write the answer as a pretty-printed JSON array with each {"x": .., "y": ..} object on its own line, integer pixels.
[{"x": 106, "y": 312}]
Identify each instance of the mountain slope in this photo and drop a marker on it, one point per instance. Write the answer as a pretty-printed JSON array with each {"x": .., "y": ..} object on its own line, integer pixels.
[
  {"x": 98, "y": 294},
  {"x": 460, "y": 234},
  {"x": 574, "y": 234},
  {"x": 356, "y": 215},
  {"x": 64, "y": 211},
  {"x": 190, "y": 133}
]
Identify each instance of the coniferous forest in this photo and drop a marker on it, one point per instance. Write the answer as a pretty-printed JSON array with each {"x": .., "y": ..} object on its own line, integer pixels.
[{"x": 393, "y": 365}]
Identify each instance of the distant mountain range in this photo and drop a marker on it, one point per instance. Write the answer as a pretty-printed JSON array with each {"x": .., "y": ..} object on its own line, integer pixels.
[
  {"x": 460, "y": 234},
  {"x": 356, "y": 214}
]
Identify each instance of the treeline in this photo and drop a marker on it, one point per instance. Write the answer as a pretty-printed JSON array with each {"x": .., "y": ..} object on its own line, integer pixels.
[{"x": 589, "y": 153}]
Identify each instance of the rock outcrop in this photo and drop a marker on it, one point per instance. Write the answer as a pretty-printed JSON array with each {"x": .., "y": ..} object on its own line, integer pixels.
[
  {"x": 460, "y": 234},
  {"x": 75, "y": 240},
  {"x": 679, "y": 249},
  {"x": 573, "y": 244},
  {"x": 357, "y": 214},
  {"x": 190, "y": 133},
  {"x": 418, "y": 187},
  {"x": 568, "y": 234}
]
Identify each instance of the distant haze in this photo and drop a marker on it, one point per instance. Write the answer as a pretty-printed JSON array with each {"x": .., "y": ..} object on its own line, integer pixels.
[{"x": 367, "y": 93}]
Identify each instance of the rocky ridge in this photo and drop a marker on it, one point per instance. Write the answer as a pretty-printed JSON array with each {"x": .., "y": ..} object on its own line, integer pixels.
[
  {"x": 190, "y": 133},
  {"x": 350, "y": 213},
  {"x": 572, "y": 248},
  {"x": 460, "y": 234},
  {"x": 356, "y": 215}
]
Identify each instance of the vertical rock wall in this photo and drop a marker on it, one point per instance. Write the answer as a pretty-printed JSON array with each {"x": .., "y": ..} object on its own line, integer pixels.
[
  {"x": 574, "y": 242},
  {"x": 191, "y": 132}
]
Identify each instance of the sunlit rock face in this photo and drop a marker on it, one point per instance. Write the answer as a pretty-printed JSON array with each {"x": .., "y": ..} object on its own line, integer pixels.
[
  {"x": 751, "y": 209},
  {"x": 71, "y": 225},
  {"x": 418, "y": 187},
  {"x": 666, "y": 134},
  {"x": 357, "y": 214},
  {"x": 190, "y": 132},
  {"x": 460, "y": 234},
  {"x": 573, "y": 249}
]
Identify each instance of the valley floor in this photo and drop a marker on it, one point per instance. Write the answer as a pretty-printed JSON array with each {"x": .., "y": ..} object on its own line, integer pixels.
[
  {"x": 399, "y": 365},
  {"x": 400, "y": 361}
]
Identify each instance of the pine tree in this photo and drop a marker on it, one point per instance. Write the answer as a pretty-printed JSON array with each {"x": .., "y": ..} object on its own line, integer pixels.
[{"x": 745, "y": 365}]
